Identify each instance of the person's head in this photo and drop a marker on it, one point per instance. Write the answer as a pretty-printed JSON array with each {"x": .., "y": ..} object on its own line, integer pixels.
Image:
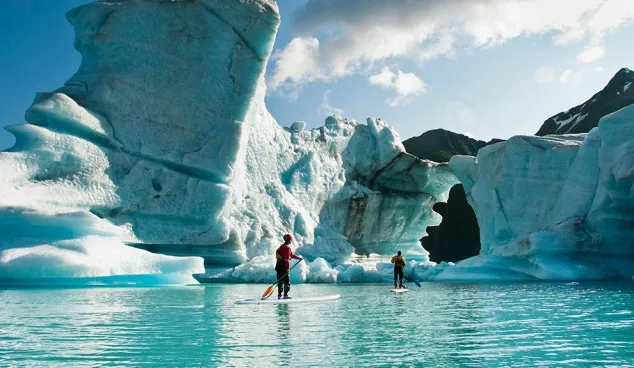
[
  {"x": 398, "y": 253},
  {"x": 288, "y": 238}
]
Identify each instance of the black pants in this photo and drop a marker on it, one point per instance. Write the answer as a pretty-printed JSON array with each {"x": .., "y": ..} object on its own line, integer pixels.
[
  {"x": 284, "y": 282},
  {"x": 398, "y": 274}
]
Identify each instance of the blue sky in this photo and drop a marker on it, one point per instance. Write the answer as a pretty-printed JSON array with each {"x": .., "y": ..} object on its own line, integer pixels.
[{"x": 490, "y": 68}]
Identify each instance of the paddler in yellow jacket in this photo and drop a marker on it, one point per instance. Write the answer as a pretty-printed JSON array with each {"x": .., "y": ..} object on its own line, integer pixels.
[{"x": 399, "y": 264}]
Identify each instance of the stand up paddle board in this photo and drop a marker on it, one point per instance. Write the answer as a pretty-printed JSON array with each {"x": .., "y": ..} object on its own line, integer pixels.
[
  {"x": 290, "y": 301},
  {"x": 399, "y": 290}
]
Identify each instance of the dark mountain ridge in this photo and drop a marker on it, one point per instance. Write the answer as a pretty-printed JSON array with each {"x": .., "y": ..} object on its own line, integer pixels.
[
  {"x": 618, "y": 94},
  {"x": 439, "y": 145}
]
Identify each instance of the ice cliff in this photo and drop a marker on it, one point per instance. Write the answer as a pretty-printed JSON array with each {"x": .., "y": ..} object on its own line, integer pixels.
[
  {"x": 553, "y": 207},
  {"x": 159, "y": 155},
  {"x": 161, "y": 142}
]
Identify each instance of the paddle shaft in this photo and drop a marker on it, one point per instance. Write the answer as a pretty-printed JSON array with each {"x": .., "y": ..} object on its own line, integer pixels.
[{"x": 410, "y": 275}]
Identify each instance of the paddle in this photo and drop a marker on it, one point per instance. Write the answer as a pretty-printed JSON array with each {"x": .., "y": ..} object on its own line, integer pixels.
[
  {"x": 410, "y": 275},
  {"x": 269, "y": 290}
]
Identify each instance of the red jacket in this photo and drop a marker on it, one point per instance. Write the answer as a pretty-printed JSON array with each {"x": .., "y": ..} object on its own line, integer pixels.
[{"x": 283, "y": 254}]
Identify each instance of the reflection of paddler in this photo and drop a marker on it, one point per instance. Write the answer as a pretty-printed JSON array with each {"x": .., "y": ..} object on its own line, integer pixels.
[
  {"x": 399, "y": 264},
  {"x": 283, "y": 254}
]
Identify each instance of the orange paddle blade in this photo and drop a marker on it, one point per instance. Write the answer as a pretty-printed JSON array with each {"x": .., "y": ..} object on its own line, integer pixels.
[{"x": 268, "y": 292}]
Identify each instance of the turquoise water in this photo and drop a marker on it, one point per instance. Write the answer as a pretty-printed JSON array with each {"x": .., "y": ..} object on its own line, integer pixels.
[{"x": 448, "y": 325}]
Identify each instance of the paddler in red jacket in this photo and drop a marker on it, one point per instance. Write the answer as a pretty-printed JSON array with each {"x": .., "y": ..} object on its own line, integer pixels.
[{"x": 283, "y": 254}]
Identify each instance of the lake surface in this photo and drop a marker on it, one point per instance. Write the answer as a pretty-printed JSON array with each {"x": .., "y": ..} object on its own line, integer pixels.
[{"x": 441, "y": 324}]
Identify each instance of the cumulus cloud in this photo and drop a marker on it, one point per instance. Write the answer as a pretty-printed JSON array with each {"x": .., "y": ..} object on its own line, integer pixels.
[
  {"x": 591, "y": 53},
  {"x": 406, "y": 85},
  {"x": 544, "y": 75},
  {"x": 297, "y": 62},
  {"x": 337, "y": 38}
]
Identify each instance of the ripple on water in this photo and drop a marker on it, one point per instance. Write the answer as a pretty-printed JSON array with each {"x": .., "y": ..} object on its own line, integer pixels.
[{"x": 450, "y": 325}]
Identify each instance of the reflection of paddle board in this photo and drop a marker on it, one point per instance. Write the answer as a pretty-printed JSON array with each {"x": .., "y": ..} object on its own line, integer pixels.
[
  {"x": 399, "y": 290},
  {"x": 290, "y": 301}
]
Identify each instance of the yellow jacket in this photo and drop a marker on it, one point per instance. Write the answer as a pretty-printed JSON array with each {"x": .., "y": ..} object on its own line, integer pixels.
[{"x": 399, "y": 261}]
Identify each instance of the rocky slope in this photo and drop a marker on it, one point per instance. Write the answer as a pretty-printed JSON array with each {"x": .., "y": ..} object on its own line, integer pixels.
[
  {"x": 580, "y": 119},
  {"x": 439, "y": 145}
]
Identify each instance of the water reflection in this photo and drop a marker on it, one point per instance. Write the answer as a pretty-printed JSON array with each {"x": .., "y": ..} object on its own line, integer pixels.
[
  {"x": 284, "y": 329},
  {"x": 460, "y": 330}
]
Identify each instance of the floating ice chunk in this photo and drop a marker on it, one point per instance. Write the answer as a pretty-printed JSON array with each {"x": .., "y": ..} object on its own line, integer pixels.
[
  {"x": 321, "y": 271},
  {"x": 262, "y": 269},
  {"x": 54, "y": 247},
  {"x": 89, "y": 257}
]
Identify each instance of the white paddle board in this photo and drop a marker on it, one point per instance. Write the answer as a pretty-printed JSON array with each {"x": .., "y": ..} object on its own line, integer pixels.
[
  {"x": 290, "y": 301},
  {"x": 399, "y": 290}
]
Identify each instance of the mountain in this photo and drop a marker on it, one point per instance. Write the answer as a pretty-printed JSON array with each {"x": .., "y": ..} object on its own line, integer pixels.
[
  {"x": 580, "y": 119},
  {"x": 439, "y": 145}
]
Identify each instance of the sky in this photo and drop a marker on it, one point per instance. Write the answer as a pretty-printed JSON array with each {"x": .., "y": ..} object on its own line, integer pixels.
[{"x": 484, "y": 68}]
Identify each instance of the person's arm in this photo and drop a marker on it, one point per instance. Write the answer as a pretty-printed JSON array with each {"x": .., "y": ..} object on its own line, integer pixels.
[
  {"x": 294, "y": 256},
  {"x": 392, "y": 260}
]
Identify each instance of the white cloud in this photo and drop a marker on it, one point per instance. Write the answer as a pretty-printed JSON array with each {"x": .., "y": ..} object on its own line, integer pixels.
[
  {"x": 569, "y": 76},
  {"x": 406, "y": 85},
  {"x": 591, "y": 53},
  {"x": 544, "y": 75},
  {"x": 297, "y": 62},
  {"x": 468, "y": 134},
  {"x": 357, "y": 36},
  {"x": 385, "y": 78},
  {"x": 327, "y": 108},
  {"x": 565, "y": 76}
]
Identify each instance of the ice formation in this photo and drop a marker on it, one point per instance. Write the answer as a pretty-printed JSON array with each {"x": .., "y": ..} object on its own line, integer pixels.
[
  {"x": 159, "y": 154},
  {"x": 553, "y": 207},
  {"x": 163, "y": 136}
]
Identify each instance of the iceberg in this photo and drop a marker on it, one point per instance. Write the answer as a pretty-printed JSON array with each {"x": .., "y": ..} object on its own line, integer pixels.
[
  {"x": 553, "y": 207},
  {"x": 78, "y": 249},
  {"x": 159, "y": 161},
  {"x": 159, "y": 154}
]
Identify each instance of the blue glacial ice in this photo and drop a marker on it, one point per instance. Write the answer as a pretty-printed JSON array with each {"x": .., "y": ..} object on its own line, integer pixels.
[
  {"x": 162, "y": 137},
  {"x": 554, "y": 207},
  {"x": 159, "y": 154}
]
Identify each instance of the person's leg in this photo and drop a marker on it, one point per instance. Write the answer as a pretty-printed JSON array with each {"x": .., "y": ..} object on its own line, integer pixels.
[
  {"x": 280, "y": 282},
  {"x": 400, "y": 277},
  {"x": 287, "y": 284},
  {"x": 395, "y": 276}
]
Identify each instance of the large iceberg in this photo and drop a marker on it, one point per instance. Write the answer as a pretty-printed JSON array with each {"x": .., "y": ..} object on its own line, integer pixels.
[
  {"x": 553, "y": 207},
  {"x": 159, "y": 157},
  {"x": 161, "y": 143}
]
